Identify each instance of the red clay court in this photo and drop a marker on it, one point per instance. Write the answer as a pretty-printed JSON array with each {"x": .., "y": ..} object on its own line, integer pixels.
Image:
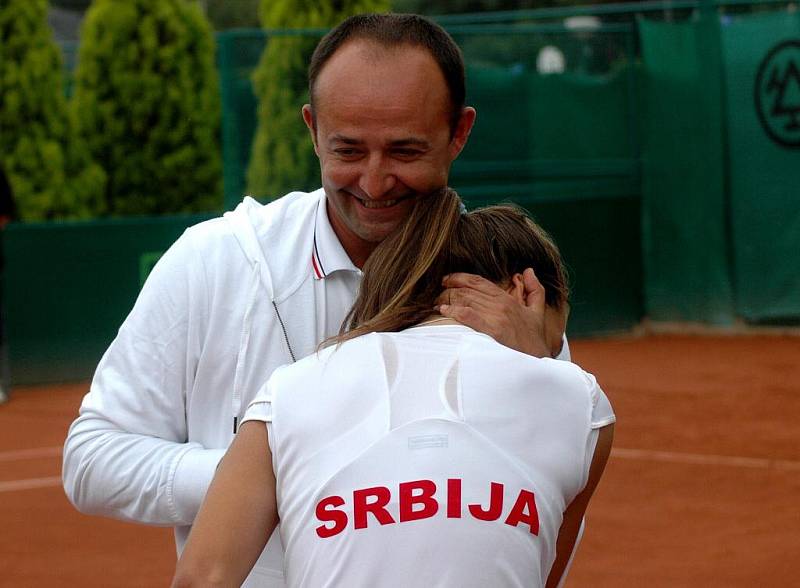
[{"x": 702, "y": 488}]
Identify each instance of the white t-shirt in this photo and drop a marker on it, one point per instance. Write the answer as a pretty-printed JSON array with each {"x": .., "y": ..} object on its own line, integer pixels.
[{"x": 430, "y": 457}]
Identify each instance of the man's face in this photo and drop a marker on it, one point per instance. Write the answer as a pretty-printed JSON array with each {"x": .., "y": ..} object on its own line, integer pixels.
[{"x": 382, "y": 135}]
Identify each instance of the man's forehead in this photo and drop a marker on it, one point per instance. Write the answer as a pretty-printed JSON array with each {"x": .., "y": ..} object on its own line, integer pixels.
[
  {"x": 359, "y": 57},
  {"x": 372, "y": 51}
]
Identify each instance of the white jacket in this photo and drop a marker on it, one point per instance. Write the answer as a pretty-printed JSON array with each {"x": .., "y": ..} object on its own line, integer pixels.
[{"x": 205, "y": 333}]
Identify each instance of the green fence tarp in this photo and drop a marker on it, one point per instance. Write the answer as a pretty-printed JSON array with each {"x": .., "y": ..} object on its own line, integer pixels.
[
  {"x": 599, "y": 240},
  {"x": 68, "y": 286},
  {"x": 684, "y": 205},
  {"x": 762, "y": 69},
  {"x": 581, "y": 116},
  {"x": 567, "y": 116}
]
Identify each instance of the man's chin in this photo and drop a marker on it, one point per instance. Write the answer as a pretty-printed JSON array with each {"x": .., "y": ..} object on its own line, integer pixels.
[{"x": 377, "y": 236}]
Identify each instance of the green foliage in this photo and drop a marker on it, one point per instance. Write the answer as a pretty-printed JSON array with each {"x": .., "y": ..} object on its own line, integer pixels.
[
  {"x": 283, "y": 156},
  {"x": 49, "y": 168},
  {"x": 147, "y": 101}
]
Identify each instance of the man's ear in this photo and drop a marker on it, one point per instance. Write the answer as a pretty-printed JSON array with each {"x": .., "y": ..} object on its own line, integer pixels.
[
  {"x": 308, "y": 118},
  {"x": 463, "y": 129}
]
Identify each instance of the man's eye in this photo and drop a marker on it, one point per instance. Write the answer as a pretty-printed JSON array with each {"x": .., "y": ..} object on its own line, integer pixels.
[
  {"x": 345, "y": 152},
  {"x": 407, "y": 152}
]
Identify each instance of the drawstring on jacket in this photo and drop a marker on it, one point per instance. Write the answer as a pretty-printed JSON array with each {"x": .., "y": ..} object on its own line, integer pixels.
[{"x": 244, "y": 341}]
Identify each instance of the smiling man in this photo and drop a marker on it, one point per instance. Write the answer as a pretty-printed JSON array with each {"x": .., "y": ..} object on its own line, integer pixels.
[
  {"x": 237, "y": 297},
  {"x": 385, "y": 124}
]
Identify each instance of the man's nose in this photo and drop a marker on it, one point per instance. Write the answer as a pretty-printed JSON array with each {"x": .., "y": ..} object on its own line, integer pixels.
[{"x": 377, "y": 179}]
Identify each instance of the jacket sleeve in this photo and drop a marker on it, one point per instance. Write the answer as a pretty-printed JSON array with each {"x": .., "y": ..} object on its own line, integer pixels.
[{"x": 126, "y": 455}]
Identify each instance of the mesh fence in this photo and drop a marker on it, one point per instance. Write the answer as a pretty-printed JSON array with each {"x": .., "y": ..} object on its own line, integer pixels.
[{"x": 238, "y": 53}]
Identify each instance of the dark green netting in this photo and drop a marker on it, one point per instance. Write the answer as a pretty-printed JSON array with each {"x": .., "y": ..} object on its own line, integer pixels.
[
  {"x": 764, "y": 150},
  {"x": 549, "y": 136},
  {"x": 684, "y": 203},
  {"x": 237, "y": 56},
  {"x": 580, "y": 116}
]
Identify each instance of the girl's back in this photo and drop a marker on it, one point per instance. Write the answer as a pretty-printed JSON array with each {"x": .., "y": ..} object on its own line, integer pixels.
[{"x": 397, "y": 452}]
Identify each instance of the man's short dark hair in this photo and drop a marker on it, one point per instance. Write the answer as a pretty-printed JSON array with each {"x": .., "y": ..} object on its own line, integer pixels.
[{"x": 392, "y": 30}]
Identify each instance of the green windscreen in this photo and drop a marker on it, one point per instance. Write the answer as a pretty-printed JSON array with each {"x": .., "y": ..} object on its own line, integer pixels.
[
  {"x": 762, "y": 69},
  {"x": 684, "y": 214},
  {"x": 68, "y": 286},
  {"x": 556, "y": 113}
]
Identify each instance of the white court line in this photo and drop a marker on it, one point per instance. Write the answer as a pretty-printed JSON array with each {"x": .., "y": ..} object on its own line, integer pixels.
[
  {"x": 705, "y": 459},
  {"x": 30, "y": 484},
  {"x": 30, "y": 453},
  {"x": 617, "y": 452}
]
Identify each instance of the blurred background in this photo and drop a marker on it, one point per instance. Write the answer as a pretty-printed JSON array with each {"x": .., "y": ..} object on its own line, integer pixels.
[{"x": 659, "y": 143}]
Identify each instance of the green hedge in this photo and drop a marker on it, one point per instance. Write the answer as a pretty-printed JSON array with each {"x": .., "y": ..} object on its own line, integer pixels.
[
  {"x": 147, "y": 102},
  {"x": 49, "y": 168}
]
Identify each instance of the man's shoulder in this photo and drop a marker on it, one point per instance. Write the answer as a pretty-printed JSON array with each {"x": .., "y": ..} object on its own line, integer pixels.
[{"x": 250, "y": 214}]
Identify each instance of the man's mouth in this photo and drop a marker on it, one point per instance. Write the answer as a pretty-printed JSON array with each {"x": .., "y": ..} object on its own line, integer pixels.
[{"x": 378, "y": 203}]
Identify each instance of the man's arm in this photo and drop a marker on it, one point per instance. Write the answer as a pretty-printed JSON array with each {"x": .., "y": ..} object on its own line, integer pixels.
[
  {"x": 484, "y": 306},
  {"x": 126, "y": 455}
]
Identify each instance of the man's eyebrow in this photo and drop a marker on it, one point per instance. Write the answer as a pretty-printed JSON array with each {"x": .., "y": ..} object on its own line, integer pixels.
[
  {"x": 410, "y": 142},
  {"x": 407, "y": 142},
  {"x": 343, "y": 139}
]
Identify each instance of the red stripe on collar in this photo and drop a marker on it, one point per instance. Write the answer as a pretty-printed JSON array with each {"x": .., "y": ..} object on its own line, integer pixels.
[{"x": 317, "y": 272}]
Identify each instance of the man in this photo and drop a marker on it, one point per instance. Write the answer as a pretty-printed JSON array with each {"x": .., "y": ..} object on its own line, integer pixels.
[{"x": 236, "y": 297}]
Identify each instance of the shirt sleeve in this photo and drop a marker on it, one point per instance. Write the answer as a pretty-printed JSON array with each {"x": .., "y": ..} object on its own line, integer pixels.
[
  {"x": 602, "y": 412},
  {"x": 260, "y": 409}
]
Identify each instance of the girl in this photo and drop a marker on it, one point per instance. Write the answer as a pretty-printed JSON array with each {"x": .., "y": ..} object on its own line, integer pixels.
[{"x": 412, "y": 450}]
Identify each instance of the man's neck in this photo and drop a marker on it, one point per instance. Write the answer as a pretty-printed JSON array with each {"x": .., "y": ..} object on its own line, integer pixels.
[{"x": 357, "y": 249}]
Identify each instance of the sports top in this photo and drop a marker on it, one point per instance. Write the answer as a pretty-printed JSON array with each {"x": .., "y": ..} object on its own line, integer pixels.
[{"x": 430, "y": 457}]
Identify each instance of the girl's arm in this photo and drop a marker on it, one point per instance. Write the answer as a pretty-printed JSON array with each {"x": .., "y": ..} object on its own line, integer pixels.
[
  {"x": 573, "y": 516},
  {"x": 237, "y": 517}
]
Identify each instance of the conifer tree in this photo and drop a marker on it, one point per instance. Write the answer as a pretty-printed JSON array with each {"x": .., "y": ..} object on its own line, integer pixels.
[
  {"x": 48, "y": 167},
  {"x": 283, "y": 157},
  {"x": 147, "y": 101}
]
